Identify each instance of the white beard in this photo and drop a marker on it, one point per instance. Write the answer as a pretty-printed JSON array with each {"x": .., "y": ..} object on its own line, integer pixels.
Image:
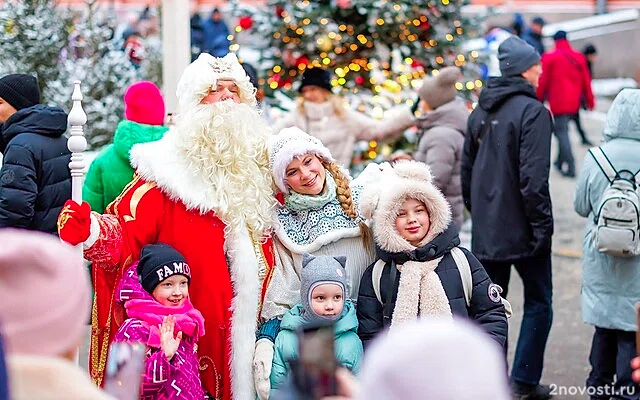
[{"x": 225, "y": 144}]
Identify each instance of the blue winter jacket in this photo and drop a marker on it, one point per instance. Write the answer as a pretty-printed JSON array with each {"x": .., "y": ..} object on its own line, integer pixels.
[
  {"x": 610, "y": 285},
  {"x": 348, "y": 346}
]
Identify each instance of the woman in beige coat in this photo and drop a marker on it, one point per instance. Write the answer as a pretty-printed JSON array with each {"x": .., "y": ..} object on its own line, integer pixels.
[
  {"x": 442, "y": 127},
  {"x": 46, "y": 300},
  {"x": 322, "y": 114}
]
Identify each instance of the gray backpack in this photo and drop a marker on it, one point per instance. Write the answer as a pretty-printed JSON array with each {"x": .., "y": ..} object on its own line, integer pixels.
[{"x": 617, "y": 217}]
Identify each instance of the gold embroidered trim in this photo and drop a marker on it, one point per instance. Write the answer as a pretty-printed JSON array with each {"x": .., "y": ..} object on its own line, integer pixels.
[
  {"x": 135, "y": 199},
  {"x": 202, "y": 365}
]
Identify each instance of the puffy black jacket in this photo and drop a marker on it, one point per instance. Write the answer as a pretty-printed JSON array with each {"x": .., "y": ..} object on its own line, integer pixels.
[
  {"x": 489, "y": 314},
  {"x": 505, "y": 173},
  {"x": 35, "y": 180}
]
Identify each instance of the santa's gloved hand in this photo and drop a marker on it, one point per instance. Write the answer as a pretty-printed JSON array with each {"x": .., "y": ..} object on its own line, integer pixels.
[
  {"x": 262, "y": 360},
  {"x": 74, "y": 222}
]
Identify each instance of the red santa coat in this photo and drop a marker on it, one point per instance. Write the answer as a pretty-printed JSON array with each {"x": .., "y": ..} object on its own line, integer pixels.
[{"x": 227, "y": 286}]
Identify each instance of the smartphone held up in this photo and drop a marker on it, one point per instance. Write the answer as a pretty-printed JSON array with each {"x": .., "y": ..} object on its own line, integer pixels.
[{"x": 315, "y": 371}]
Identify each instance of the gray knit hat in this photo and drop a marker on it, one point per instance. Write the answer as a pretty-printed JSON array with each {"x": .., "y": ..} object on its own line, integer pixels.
[
  {"x": 516, "y": 56},
  {"x": 317, "y": 271},
  {"x": 440, "y": 89}
]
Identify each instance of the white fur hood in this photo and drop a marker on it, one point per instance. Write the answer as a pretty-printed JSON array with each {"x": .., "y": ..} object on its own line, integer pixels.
[{"x": 380, "y": 204}]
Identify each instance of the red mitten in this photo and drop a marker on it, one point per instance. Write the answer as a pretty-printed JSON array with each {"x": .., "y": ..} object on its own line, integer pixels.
[{"x": 74, "y": 222}]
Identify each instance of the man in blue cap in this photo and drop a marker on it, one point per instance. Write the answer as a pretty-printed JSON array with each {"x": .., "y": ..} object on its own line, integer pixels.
[{"x": 533, "y": 35}]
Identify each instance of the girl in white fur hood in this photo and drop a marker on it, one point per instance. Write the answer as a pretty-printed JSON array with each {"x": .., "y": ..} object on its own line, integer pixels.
[{"x": 416, "y": 274}]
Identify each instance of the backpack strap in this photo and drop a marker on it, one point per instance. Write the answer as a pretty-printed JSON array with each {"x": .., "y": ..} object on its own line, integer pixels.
[
  {"x": 605, "y": 165},
  {"x": 465, "y": 273},
  {"x": 388, "y": 306},
  {"x": 376, "y": 276}
]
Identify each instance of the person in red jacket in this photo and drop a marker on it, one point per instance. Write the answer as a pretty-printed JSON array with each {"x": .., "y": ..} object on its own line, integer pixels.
[{"x": 565, "y": 80}]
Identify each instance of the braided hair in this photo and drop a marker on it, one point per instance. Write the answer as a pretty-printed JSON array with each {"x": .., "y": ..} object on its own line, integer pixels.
[{"x": 345, "y": 198}]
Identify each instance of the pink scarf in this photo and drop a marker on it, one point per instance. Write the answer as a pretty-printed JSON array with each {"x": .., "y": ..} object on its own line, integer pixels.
[{"x": 188, "y": 320}]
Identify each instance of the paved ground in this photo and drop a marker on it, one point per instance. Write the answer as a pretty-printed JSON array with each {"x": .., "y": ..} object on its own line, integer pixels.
[{"x": 566, "y": 362}]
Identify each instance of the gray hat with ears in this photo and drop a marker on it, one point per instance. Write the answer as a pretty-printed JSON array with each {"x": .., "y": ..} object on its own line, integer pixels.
[{"x": 317, "y": 271}]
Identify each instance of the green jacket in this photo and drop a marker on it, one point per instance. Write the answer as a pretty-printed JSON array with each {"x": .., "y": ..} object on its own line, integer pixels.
[
  {"x": 111, "y": 171},
  {"x": 348, "y": 346}
]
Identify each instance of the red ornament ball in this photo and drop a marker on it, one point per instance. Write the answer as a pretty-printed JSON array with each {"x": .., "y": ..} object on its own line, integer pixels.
[
  {"x": 359, "y": 80},
  {"x": 245, "y": 22}
]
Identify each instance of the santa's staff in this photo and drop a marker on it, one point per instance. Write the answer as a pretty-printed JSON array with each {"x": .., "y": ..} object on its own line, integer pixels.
[{"x": 77, "y": 144}]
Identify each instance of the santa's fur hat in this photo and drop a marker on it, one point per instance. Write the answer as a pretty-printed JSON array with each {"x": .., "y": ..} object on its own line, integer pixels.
[
  {"x": 204, "y": 73},
  {"x": 381, "y": 202}
]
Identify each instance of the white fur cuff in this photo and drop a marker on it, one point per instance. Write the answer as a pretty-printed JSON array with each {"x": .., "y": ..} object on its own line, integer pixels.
[{"x": 94, "y": 232}]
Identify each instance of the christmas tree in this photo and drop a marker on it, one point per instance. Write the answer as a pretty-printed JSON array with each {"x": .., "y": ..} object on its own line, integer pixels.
[
  {"x": 377, "y": 50},
  {"x": 104, "y": 70},
  {"x": 33, "y": 33},
  {"x": 59, "y": 47}
]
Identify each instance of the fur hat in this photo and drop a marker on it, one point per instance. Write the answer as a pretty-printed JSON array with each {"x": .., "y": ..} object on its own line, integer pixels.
[
  {"x": 204, "y": 73},
  {"x": 20, "y": 90},
  {"x": 380, "y": 203},
  {"x": 317, "y": 271},
  {"x": 46, "y": 294},
  {"x": 288, "y": 144},
  {"x": 143, "y": 103},
  {"x": 159, "y": 262},
  {"x": 440, "y": 89}
]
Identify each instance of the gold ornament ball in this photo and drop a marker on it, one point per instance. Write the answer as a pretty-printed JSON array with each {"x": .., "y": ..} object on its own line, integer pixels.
[{"x": 325, "y": 43}]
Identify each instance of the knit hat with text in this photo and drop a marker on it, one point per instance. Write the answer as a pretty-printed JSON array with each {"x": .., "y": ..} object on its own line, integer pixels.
[{"x": 159, "y": 262}]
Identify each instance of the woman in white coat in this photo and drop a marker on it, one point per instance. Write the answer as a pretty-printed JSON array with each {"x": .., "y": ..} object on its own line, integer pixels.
[{"x": 317, "y": 215}]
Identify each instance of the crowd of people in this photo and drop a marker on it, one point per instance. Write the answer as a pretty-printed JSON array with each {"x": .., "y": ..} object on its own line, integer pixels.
[{"x": 215, "y": 241}]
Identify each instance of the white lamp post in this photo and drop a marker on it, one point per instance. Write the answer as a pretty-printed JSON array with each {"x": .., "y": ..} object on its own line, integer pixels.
[{"x": 176, "y": 48}]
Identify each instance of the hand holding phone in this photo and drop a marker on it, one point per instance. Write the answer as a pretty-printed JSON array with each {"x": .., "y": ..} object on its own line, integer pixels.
[
  {"x": 315, "y": 370},
  {"x": 123, "y": 374}
]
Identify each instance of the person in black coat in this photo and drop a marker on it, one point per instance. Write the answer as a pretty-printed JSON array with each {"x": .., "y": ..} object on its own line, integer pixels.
[
  {"x": 35, "y": 180},
  {"x": 415, "y": 274},
  {"x": 505, "y": 185}
]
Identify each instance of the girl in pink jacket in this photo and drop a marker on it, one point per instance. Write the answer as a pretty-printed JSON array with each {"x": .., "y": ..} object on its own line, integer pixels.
[{"x": 155, "y": 294}]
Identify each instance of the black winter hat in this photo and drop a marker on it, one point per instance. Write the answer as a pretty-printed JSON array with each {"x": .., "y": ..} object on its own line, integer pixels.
[
  {"x": 589, "y": 49},
  {"x": 159, "y": 262},
  {"x": 560, "y": 35},
  {"x": 316, "y": 77},
  {"x": 20, "y": 90}
]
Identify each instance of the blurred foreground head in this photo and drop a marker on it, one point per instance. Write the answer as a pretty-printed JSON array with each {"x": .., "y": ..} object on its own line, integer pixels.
[
  {"x": 435, "y": 359},
  {"x": 46, "y": 294}
]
